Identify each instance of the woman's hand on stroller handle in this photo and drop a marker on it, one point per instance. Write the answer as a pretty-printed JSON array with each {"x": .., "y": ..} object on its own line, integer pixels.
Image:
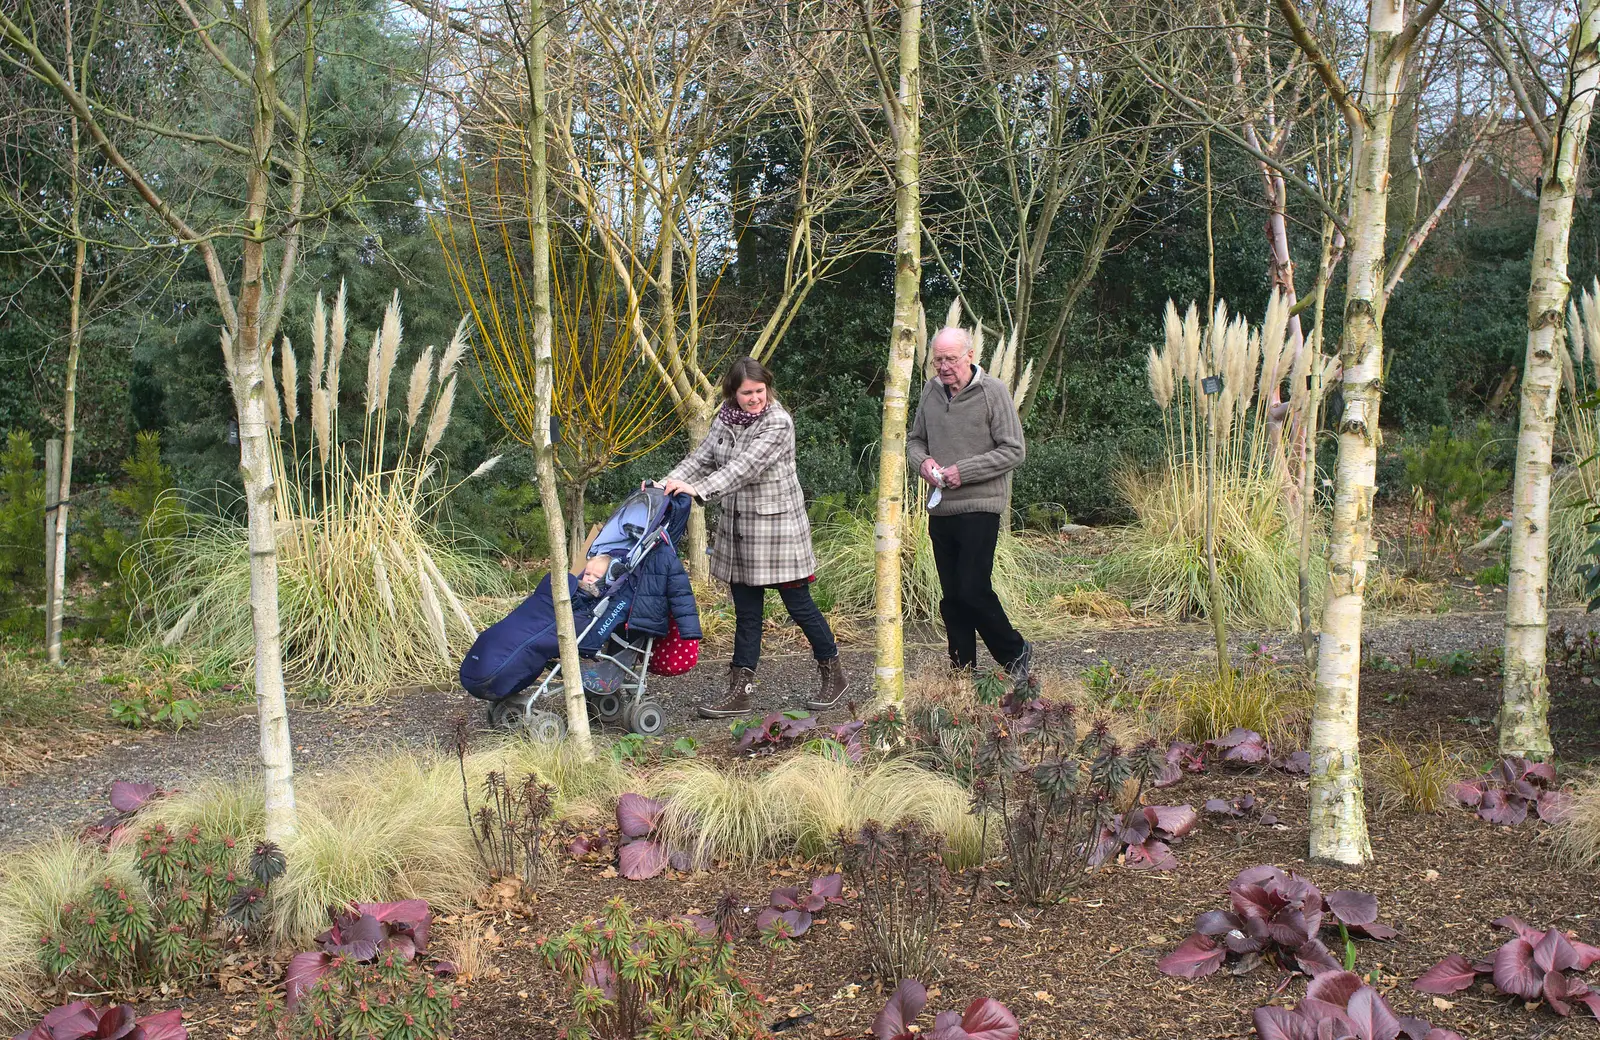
[{"x": 675, "y": 487}]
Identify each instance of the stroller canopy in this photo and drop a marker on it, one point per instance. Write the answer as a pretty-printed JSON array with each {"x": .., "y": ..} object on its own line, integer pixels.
[{"x": 640, "y": 515}]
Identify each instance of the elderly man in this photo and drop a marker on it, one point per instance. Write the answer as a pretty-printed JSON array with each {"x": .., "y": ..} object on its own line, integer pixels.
[{"x": 965, "y": 442}]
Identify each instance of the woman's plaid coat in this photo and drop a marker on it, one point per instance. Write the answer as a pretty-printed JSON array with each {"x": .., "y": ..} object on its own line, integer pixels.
[{"x": 763, "y": 535}]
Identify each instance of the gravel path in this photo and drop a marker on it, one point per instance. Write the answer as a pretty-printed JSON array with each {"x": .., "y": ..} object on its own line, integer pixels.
[{"x": 71, "y": 793}]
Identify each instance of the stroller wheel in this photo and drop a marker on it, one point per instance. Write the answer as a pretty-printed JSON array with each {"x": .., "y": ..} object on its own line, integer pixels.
[
  {"x": 508, "y": 714},
  {"x": 647, "y": 719},
  {"x": 546, "y": 727},
  {"x": 608, "y": 707}
]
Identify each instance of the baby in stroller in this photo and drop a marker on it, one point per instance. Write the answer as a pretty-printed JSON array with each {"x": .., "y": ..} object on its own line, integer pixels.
[{"x": 632, "y": 593}]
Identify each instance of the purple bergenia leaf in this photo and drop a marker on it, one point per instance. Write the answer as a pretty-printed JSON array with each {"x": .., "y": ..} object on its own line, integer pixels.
[
  {"x": 1451, "y": 975},
  {"x": 304, "y": 971},
  {"x": 1223, "y": 808},
  {"x": 1151, "y": 855},
  {"x": 641, "y": 860},
  {"x": 1515, "y": 971},
  {"x": 1372, "y": 1015},
  {"x": 1257, "y": 876},
  {"x": 1380, "y": 932},
  {"x": 1542, "y": 771},
  {"x": 1353, "y": 907},
  {"x": 1414, "y": 1028},
  {"x": 700, "y": 923},
  {"x": 411, "y": 916},
  {"x": 785, "y": 898},
  {"x": 1559, "y": 990},
  {"x": 1443, "y": 1034},
  {"x": 1555, "y": 807},
  {"x": 987, "y": 1019},
  {"x": 1315, "y": 959},
  {"x": 1524, "y": 931},
  {"x": 1335, "y": 987},
  {"x": 1298, "y": 762},
  {"x": 602, "y": 976},
  {"x": 1217, "y": 922},
  {"x": 1587, "y": 955},
  {"x": 164, "y": 1025},
  {"x": 905, "y": 1004},
  {"x": 129, "y": 797},
  {"x": 830, "y": 887},
  {"x": 1175, "y": 820},
  {"x": 637, "y": 815},
  {"x": 1195, "y": 958},
  {"x": 1468, "y": 792},
  {"x": 1499, "y": 807},
  {"x": 795, "y": 922},
  {"x": 1276, "y": 1023},
  {"x": 70, "y": 1022},
  {"x": 1553, "y": 952}
]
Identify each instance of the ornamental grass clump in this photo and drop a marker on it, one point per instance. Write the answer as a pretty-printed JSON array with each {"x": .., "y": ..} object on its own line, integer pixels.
[
  {"x": 372, "y": 592},
  {"x": 1162, "y": 565}
]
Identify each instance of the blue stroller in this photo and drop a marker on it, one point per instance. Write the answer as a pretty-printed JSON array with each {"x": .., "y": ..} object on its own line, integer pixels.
[{"x": 514, "y": 664}]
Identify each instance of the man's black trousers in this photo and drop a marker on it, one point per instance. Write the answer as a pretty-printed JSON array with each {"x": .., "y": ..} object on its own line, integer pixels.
[{"x": 963, "y": 550}]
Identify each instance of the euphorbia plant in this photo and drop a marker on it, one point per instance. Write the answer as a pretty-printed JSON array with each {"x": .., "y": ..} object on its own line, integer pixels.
[
  {"x": 1277, "y": 917},
  {"x": 984, "y": 1019},
  {"x": 1339, "y": 1005},
  {"x": 1532, "y": 965},
  {"x": 636, "y": 977}
]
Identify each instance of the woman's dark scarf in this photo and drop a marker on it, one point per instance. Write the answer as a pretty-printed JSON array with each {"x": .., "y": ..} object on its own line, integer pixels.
[{"x": 735, "y": 416}]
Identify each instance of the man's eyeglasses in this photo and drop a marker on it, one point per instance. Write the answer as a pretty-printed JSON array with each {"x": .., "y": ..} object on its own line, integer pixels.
[{"x": 946, "y": 362}]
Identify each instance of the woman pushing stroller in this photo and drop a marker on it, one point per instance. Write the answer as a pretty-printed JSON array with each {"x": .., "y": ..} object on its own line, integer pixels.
[{"x": 763, "y": 537}]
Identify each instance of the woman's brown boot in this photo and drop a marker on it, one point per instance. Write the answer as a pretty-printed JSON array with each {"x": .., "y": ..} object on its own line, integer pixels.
[
  {"x": 741, "y": 687},
  {"x": 834, "y": 685}
]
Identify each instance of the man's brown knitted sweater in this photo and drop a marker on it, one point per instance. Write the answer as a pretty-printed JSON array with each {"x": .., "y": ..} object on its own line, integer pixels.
[{"x": 976, "y": 430}]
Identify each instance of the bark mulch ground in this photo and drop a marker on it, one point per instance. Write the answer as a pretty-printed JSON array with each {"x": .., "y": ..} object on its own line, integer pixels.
[{"x": 1082, "y": 969}]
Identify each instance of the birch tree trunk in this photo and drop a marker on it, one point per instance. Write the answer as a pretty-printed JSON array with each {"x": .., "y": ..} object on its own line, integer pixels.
[
  {"x": 1524, "y": 723},
  {"x": 1337, "y": 817},
  {"x": 544, "y": 379},
  {"x": 56, "y": 560},
  {"x": 892, "y": 480},
  {"x": 250, "y": 377},
  {"x": 698, "y": 424}
]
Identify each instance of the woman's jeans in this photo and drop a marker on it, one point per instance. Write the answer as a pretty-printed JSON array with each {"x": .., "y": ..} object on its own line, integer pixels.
[{"x": 748, "y": 602}]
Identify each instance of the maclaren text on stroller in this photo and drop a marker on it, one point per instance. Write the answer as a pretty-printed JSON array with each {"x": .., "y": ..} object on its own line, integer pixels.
[{"x": 645, "y": 596}]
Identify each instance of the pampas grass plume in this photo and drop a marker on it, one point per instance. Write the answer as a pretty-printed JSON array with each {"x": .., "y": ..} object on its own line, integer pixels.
[
  {"x": 319, "y": 341},
  {"x": 336, "y": 342},
  {"x": 421, "y": 373},
  {"x": 388, "y": 347},
  {"x": 291, "y": 381},
  {"x": 452, "y": 353},
  {"x": 485, "y": 466},
  {"x": 441, "y": 416}
]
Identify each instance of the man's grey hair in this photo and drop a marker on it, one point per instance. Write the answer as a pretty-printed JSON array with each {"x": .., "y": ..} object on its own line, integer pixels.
[{"x": 955, "y": 332}]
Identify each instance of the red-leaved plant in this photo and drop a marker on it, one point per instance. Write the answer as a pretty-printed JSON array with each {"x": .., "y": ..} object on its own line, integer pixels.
[
  {"x": 1340, "y": 1006},
  {"x": 1277, "y": 917},
  {"x": 643, "y": 854},
  {"x": 361, "y": 933},
  {"x": 81, "y": 1020},
  {"x": 1144, "y": 833},
  {"x": 790, "y": 909},
  {"x": 1512, "y": 785},
  {"x": 1533, "y": 965},
  {"x": 984, "y": 1019}
]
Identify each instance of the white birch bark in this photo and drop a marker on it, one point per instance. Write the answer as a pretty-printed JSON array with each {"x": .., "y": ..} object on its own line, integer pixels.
[
  {"x": 1525, "y": 704},
  {"x": 1337, "y": 815},
  {"x": 544, "y": 380},
  {"x": 889, "y": 673}
]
